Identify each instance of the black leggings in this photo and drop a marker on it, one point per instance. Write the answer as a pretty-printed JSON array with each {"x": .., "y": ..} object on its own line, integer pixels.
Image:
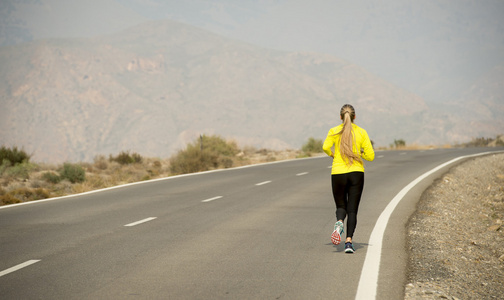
[{"x": 347, "y": 190}]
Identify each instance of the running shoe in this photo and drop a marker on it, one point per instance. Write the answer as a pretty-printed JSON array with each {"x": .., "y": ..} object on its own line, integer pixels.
[
  {"x": 336, "y": 235},
  {"x": 349, "y": 248}
]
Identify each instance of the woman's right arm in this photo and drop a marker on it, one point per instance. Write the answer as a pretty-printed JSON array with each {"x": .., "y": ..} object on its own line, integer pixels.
[{"x": 328, "y": 143}]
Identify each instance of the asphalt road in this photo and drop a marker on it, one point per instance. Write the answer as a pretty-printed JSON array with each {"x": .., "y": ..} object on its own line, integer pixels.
[{"x": 260, "y": 232}]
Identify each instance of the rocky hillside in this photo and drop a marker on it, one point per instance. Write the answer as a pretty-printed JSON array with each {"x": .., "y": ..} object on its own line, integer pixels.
[{"x": 155, "y": 87}]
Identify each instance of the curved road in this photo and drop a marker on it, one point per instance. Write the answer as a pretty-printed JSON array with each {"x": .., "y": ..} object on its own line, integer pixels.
[{"x": 258, "y": 232}]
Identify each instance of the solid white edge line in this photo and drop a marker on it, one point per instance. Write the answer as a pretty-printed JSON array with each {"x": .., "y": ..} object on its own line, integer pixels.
[
  {"x": 212, "y": 199},
  {"x": 20, "y": 266},
  {"x": 153, "y": 180},
  {"x": 368, "y": 282},
  {"x": 264, "y": 182},
  {"x": 140, "y": 222}
]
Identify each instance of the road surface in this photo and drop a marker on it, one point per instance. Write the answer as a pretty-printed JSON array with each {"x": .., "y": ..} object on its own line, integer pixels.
[{"x": 259, "y": 232}]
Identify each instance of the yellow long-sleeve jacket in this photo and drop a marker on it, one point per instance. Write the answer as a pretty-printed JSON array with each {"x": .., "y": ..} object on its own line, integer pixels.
[{"x": 362, "y": 144}]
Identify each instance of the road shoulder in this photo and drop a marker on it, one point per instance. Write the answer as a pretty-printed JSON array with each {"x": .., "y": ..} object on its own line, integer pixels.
[{"x": 455, "y": 238}]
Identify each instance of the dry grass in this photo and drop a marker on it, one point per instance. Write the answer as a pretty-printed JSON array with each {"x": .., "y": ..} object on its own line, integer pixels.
[{"x": 30, "y": 182}]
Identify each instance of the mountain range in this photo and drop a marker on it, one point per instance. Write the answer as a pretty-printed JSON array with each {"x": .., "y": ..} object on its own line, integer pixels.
[{"x": 157, "y": 86}]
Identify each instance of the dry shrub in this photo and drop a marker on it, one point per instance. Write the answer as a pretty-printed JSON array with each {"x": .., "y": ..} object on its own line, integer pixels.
[
  {"x": 61, "y": 189},
  {"x": 8, "y": 199},
  {"x": 97, "y": 181},
  {"x": 126, "y": 174},
  {"x": 81, "y": 187},
  {"x": 35, "y": 184},
  {"x": 41, "y": 193},
  {"x": 100, "y": 162},
  {"x": 154, "y": 169},
  {"x": 134, "y": 173},
  {"x": 249, "y": 150},
  {"x": 23, "y": 194}
]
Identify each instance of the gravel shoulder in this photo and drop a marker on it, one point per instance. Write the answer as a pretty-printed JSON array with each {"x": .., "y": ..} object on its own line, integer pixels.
[{"x": 456, "y": 236}]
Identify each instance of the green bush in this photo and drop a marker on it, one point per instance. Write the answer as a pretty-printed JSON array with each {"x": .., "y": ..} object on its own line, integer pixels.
[
  {"x": 20, "y": 170},
  {"x": 205, "y": 153},
  {"x": 192, "y": 160},
  {"x": 74, "y": 173},
  {"x": 313, "y": 146},
  {"x": 125, "y": 158},
  {"x": 399, "y": 143},
  {"x": 13, "y": 155},
  {"x": 4, "y": 165},
  {"x": 217, "y": 145},
  {"x": 51, "y": 177}
]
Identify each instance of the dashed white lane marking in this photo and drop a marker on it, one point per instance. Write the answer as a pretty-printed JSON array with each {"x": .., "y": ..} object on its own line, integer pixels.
[
  {"x": 402, "y": 153},
  {"x": 380, "y": 156},
  {"x": 140, "y": 222},
  {"x": 20, "y": 266},
  {"x": 212, "y": 199},
  {"x": 262, "y": 183},
  {"x": 301, "y": 174},
  {"x": 368, "y": 282}
]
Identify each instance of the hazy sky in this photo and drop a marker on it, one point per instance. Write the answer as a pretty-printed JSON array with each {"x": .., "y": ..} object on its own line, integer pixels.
[{"x": 431, "y": 47}]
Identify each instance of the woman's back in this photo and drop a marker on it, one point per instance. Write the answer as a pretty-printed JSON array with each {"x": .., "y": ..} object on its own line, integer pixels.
[{"x": 361, "y": 147}]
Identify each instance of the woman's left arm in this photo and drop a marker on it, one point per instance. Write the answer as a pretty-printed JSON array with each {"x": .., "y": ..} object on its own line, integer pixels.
[{"x": 367, "y": 148}]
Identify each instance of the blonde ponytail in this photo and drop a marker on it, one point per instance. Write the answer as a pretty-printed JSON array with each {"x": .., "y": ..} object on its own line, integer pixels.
[{"x": 347, "y": 138}]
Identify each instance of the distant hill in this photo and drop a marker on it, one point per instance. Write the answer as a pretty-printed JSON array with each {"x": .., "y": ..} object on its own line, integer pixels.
[{"x": 155, "y": 87}]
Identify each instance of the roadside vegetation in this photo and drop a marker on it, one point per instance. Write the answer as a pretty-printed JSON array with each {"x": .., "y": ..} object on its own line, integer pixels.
[
  {"x": 22, "y": 180},
  {"x": 312, "y": 146},
  {"x": 400, "y": 144}
]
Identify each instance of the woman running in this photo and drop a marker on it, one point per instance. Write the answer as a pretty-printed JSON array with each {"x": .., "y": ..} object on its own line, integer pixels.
[{"x": 351, "y": 145}]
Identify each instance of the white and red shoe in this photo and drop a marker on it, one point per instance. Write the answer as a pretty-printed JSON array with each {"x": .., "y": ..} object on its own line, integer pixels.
[{"x": 336, "y": 235}]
